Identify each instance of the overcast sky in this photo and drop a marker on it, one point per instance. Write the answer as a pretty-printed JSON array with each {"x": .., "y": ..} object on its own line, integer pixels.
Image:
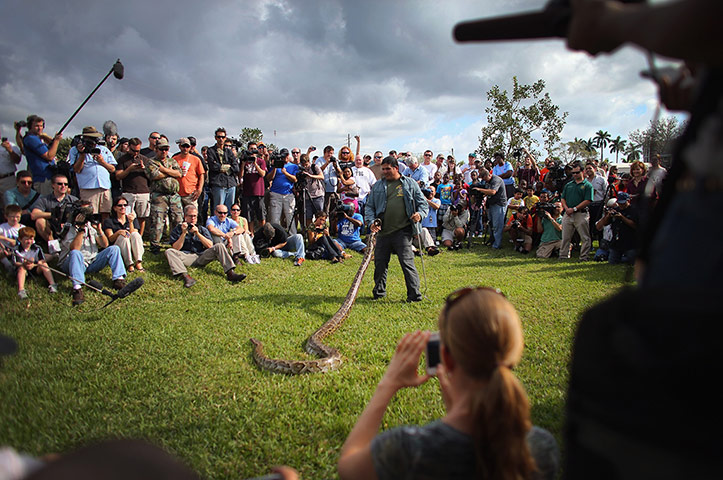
[{"x": 312, "y": 72}]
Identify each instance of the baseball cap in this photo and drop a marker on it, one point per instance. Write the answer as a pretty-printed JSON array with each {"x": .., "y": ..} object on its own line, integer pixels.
[
  {"x": 623, "y": 197},
  {"x": 162, "y": 142},
  {"x": 183, "y": 141}
]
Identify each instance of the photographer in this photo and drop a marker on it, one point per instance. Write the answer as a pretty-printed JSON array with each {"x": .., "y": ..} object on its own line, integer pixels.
[
  {"x": 348, "y": 227},
  {"x": 282, "y": 176},
  {"x": 429, "y": 224},
  {"x": 311, "y": 186},
  {"x": 82, "y": 239},
  {"x": 519, "y": 226},
  {"x": 49, "y": 211},
  {"x": 329, "y": 165},
  {"x": 253, "y": 189},
  {"x": 549, "y": 224},
  {"x": 131, "y": 171},
  {"x": 454, "y": 226},
  {"x": 192, "y": 246},
  {"x": 93, "y": 164},
  {"x": 527, "y": 171},
  {"x": 494, "y": 189},
  {"x": 9, "y": 158},
  {"x": 321, "y": 246},
  {"x": 223, "y": 170},
  {"x": 623, "y": 220}
]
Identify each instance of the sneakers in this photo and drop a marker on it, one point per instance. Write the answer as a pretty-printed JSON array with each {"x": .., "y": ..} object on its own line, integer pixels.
[
  {"x": 188, "y": 281},
  {"x": 119, "y": 283},
  {"x": 78, "y": 296},
  {"x": 53, "y": 288},
  {"x": 252, "y": 259},
  {"x": 234, "y": 277},
  {"x": 22, "y": 294},
  {"x": 298, "y": 262}
]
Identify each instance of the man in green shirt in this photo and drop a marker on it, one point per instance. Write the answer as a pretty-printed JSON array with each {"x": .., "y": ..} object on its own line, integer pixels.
[
  {"x": 576, "y": 196},
  {"x": 400, "y": 204}
]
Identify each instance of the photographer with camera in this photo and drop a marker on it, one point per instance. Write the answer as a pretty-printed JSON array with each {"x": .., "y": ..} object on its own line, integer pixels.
[
  {"x": 321, "y": 246},
  {"x": 417, "y": 172},
  {"x": 223, "y": 170},
  {"x": 549, "y": 224},
  {"x": 454, "y": 226},
  {"x": 49, "y": 212},
  {"x": 84, "y": 247},
  {"x": 519, "y": 226},
  {"x": 40, "y": 156},
  {"x": 623, "y": 219},
  {"x": 131, "y": 171},
  {"x": 9, "y": 158},
  {"x": 253, "y": 188},
  {"x": 93, "y": 165},
  {"x": 348, "y": 227},
  {"x": 494, "y": 190},
  {"x": 282, "y": 176},
  {"x": 527, "y": 171},
  {"x": 192, "y": 246},
  {"x": 310, "y": 185}
]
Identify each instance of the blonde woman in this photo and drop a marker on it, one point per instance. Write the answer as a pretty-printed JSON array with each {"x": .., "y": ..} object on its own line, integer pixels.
[{"x": 486, "y": 432}]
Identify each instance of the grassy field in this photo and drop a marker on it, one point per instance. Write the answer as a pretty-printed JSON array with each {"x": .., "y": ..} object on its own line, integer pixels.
[{"x": 173, "y": 366}]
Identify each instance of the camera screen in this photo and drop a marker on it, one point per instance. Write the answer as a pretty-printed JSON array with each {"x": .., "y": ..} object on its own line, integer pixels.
[{"x": 433, "y": 352}]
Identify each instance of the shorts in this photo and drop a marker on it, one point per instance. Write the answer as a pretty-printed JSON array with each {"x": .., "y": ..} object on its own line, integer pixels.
[
  {"x": 312, "y": 206},
  {"x": 139, "y": 202},
  {"x": 99, "y": 199},
  {"x": 254, "y": 208}
]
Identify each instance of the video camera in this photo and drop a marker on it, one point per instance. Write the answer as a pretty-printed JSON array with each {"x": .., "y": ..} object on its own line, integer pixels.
[
  {"x": 20, "y": 124},
  {"x": 236, "y": 143},
  {"x": 249, "y": 155},
  {"x": 344, "y": 208},
  {"x": 278, "y": 159},
  {"x": 87, "y": 144},
  {"x": 548, "y": 207}
]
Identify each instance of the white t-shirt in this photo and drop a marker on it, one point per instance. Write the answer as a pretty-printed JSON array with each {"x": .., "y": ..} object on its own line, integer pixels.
[{"x": 6, "y": 163}]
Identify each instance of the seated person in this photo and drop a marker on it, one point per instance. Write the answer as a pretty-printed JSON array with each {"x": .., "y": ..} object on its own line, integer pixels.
[
  {"x": 28, "y": 257},
  {"x": 192, "y": 246},
  {"x": 225, "y": 230},
  {"x": 550, "y": 226},
  {"x": 280, "y": 244},
  {"x": 81, "y": 241},
  {"x": 49, "y": 211},
  {"x": 122, "y": 229},
  {"x": 514, "y": 203},
  {"x": 623, "y": 220},
  {"x": 245, "y": 235},
  {"x": 23, "y": 195},
  {"x": 348, "y": 228},
  {"x": 454, "y": 226},
  {"x": 9, "y": 234},
  {"x": 487, "y": 426},
  {"x": 321, "y": 245},
  {"x": 519, "y": 227}
]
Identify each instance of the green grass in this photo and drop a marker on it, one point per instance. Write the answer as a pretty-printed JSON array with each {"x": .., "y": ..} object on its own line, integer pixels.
[{"x": 173, "y": 366}]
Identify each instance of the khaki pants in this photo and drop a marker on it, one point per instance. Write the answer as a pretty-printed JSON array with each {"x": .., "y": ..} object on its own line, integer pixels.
[
  {"x": 545, "y": 249},
  {"x": 241, "y": 244},
  {"x": 180, "y": 261},
  {"x": 579, "y": 221},
  {"x": 131, "y": 248}
]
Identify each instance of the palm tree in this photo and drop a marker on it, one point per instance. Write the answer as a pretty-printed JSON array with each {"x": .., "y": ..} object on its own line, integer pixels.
[
  {"x": 601, "y": 141},
  {"x": 617, "y": 146},
  {"x": 633, "y": 152},
  {"x": 589, "y": 146}
]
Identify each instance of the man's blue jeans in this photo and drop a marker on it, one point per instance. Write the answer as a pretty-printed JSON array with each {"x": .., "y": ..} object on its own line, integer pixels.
[
  {"x": 74, "y": 264},
  {"x": 496, "y": 214},
  {"x": 220, "y": 195},
  {"x": 294, "y": 247}
]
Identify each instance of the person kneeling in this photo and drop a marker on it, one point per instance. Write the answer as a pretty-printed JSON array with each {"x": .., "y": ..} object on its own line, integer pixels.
[
  {"x": 520, "y": 228},
  {"x": 80, "y": 252},
  {"x": 192, "y": 246},
  {"x": 280, "y": 244},
  {"x": 550, "y": 226},
  {"x": 623, "y": 220},
  {"x": 454, "y": 224}
]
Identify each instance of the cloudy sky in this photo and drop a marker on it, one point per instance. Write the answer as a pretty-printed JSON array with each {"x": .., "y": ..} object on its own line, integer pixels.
[{"x": 304, "y": 72}]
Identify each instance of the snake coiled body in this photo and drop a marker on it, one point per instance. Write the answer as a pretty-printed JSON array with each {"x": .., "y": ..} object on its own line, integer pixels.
[{"x": 330, "y": 358}]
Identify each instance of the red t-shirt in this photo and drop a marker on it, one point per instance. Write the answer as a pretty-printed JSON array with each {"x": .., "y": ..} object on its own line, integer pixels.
[{"x": 253, "y": 185}]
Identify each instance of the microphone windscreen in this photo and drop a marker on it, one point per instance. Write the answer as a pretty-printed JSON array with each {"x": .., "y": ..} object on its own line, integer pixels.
[
  {"x": 118, "y": 70},
  {"x": 131, "y": 287}
]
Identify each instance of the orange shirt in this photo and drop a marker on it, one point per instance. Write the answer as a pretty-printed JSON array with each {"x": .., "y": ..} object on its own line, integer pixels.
[{"x": 189, "y": 181}]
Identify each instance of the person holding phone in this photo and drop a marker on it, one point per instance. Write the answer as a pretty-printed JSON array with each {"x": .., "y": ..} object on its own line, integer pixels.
[
  {"x": 486, "y": 433},
  {"x": 121, "y": 228}
]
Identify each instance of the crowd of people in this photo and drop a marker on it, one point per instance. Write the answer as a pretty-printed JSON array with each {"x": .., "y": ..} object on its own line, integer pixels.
[{"x": 236, "y": 203}]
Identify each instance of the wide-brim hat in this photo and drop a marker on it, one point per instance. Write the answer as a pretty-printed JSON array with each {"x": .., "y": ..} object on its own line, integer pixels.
[{"x": 91, "y": 132}]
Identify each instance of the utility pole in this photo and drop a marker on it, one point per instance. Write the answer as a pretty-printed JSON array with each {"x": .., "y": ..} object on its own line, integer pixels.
[{"x": 348, "y": 141}]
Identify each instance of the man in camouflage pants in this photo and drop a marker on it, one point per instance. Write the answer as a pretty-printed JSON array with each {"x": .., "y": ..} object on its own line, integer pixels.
[{"x": 163, "y": 174}]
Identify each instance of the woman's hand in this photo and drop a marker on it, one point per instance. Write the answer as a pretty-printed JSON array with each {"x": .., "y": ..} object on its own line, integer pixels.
[{"x": 403, "y": 368}]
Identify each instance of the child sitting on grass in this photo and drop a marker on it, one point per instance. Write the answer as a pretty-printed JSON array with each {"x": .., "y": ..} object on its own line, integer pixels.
[
  {"x": 27, "y": 257},
  {"x": 9, "y": 234}
]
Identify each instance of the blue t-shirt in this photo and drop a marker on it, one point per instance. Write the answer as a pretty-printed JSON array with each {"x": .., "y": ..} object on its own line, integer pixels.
[
  {"x": 444, "y": 192},
  {"x": 500, "y": 170},
  {"x": 34, "y": 149},
  {"x": 226, "y": 226},
  {"x": 281, "y": 184},
  {"x": 430, "y": 221},
  {"x": 348, "y": 232}
]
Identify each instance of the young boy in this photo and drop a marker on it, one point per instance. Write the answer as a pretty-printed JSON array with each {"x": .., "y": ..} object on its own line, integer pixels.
[
  {"x": 27, "y": 257},
  {"x": 530, "y": 199},
  {"x": 514, "y": 203},
  {"x": 9, "y": 234}
]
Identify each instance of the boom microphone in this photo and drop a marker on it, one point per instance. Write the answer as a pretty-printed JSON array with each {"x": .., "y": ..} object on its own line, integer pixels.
[
  {"x": 131, "y": 287},
  {"x": 99, "y": 288},
  {"x": 118, "y": 70},
  {"x": 552, "y": 22}
]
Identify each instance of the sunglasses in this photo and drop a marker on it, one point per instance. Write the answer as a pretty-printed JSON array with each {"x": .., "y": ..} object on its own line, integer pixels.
[
  {"x": 122, "y": 205},
  {"x": 220, "y": 136},
  {"x": 26, "y": 182},
  {"x": 221, "y": 213},
  {"x": 164, "y": 149},
  {"x": 377, "y": 156},
  {"x": 235, "y": 209},
  {"x": 455, "y": 296},
  {"x": 154, "y": 138},
  {"x": 61, "y": 184}
]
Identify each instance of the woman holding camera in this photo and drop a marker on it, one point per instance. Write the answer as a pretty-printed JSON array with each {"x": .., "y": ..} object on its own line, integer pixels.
[
  {"x": 486, "y": 432},
  {"x": 321, "y": 245},
  {"x": 121, "y": 228}
]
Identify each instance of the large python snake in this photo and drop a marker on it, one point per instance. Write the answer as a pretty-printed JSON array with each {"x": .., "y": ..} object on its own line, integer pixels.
[{"x": 330, "y": 358}]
